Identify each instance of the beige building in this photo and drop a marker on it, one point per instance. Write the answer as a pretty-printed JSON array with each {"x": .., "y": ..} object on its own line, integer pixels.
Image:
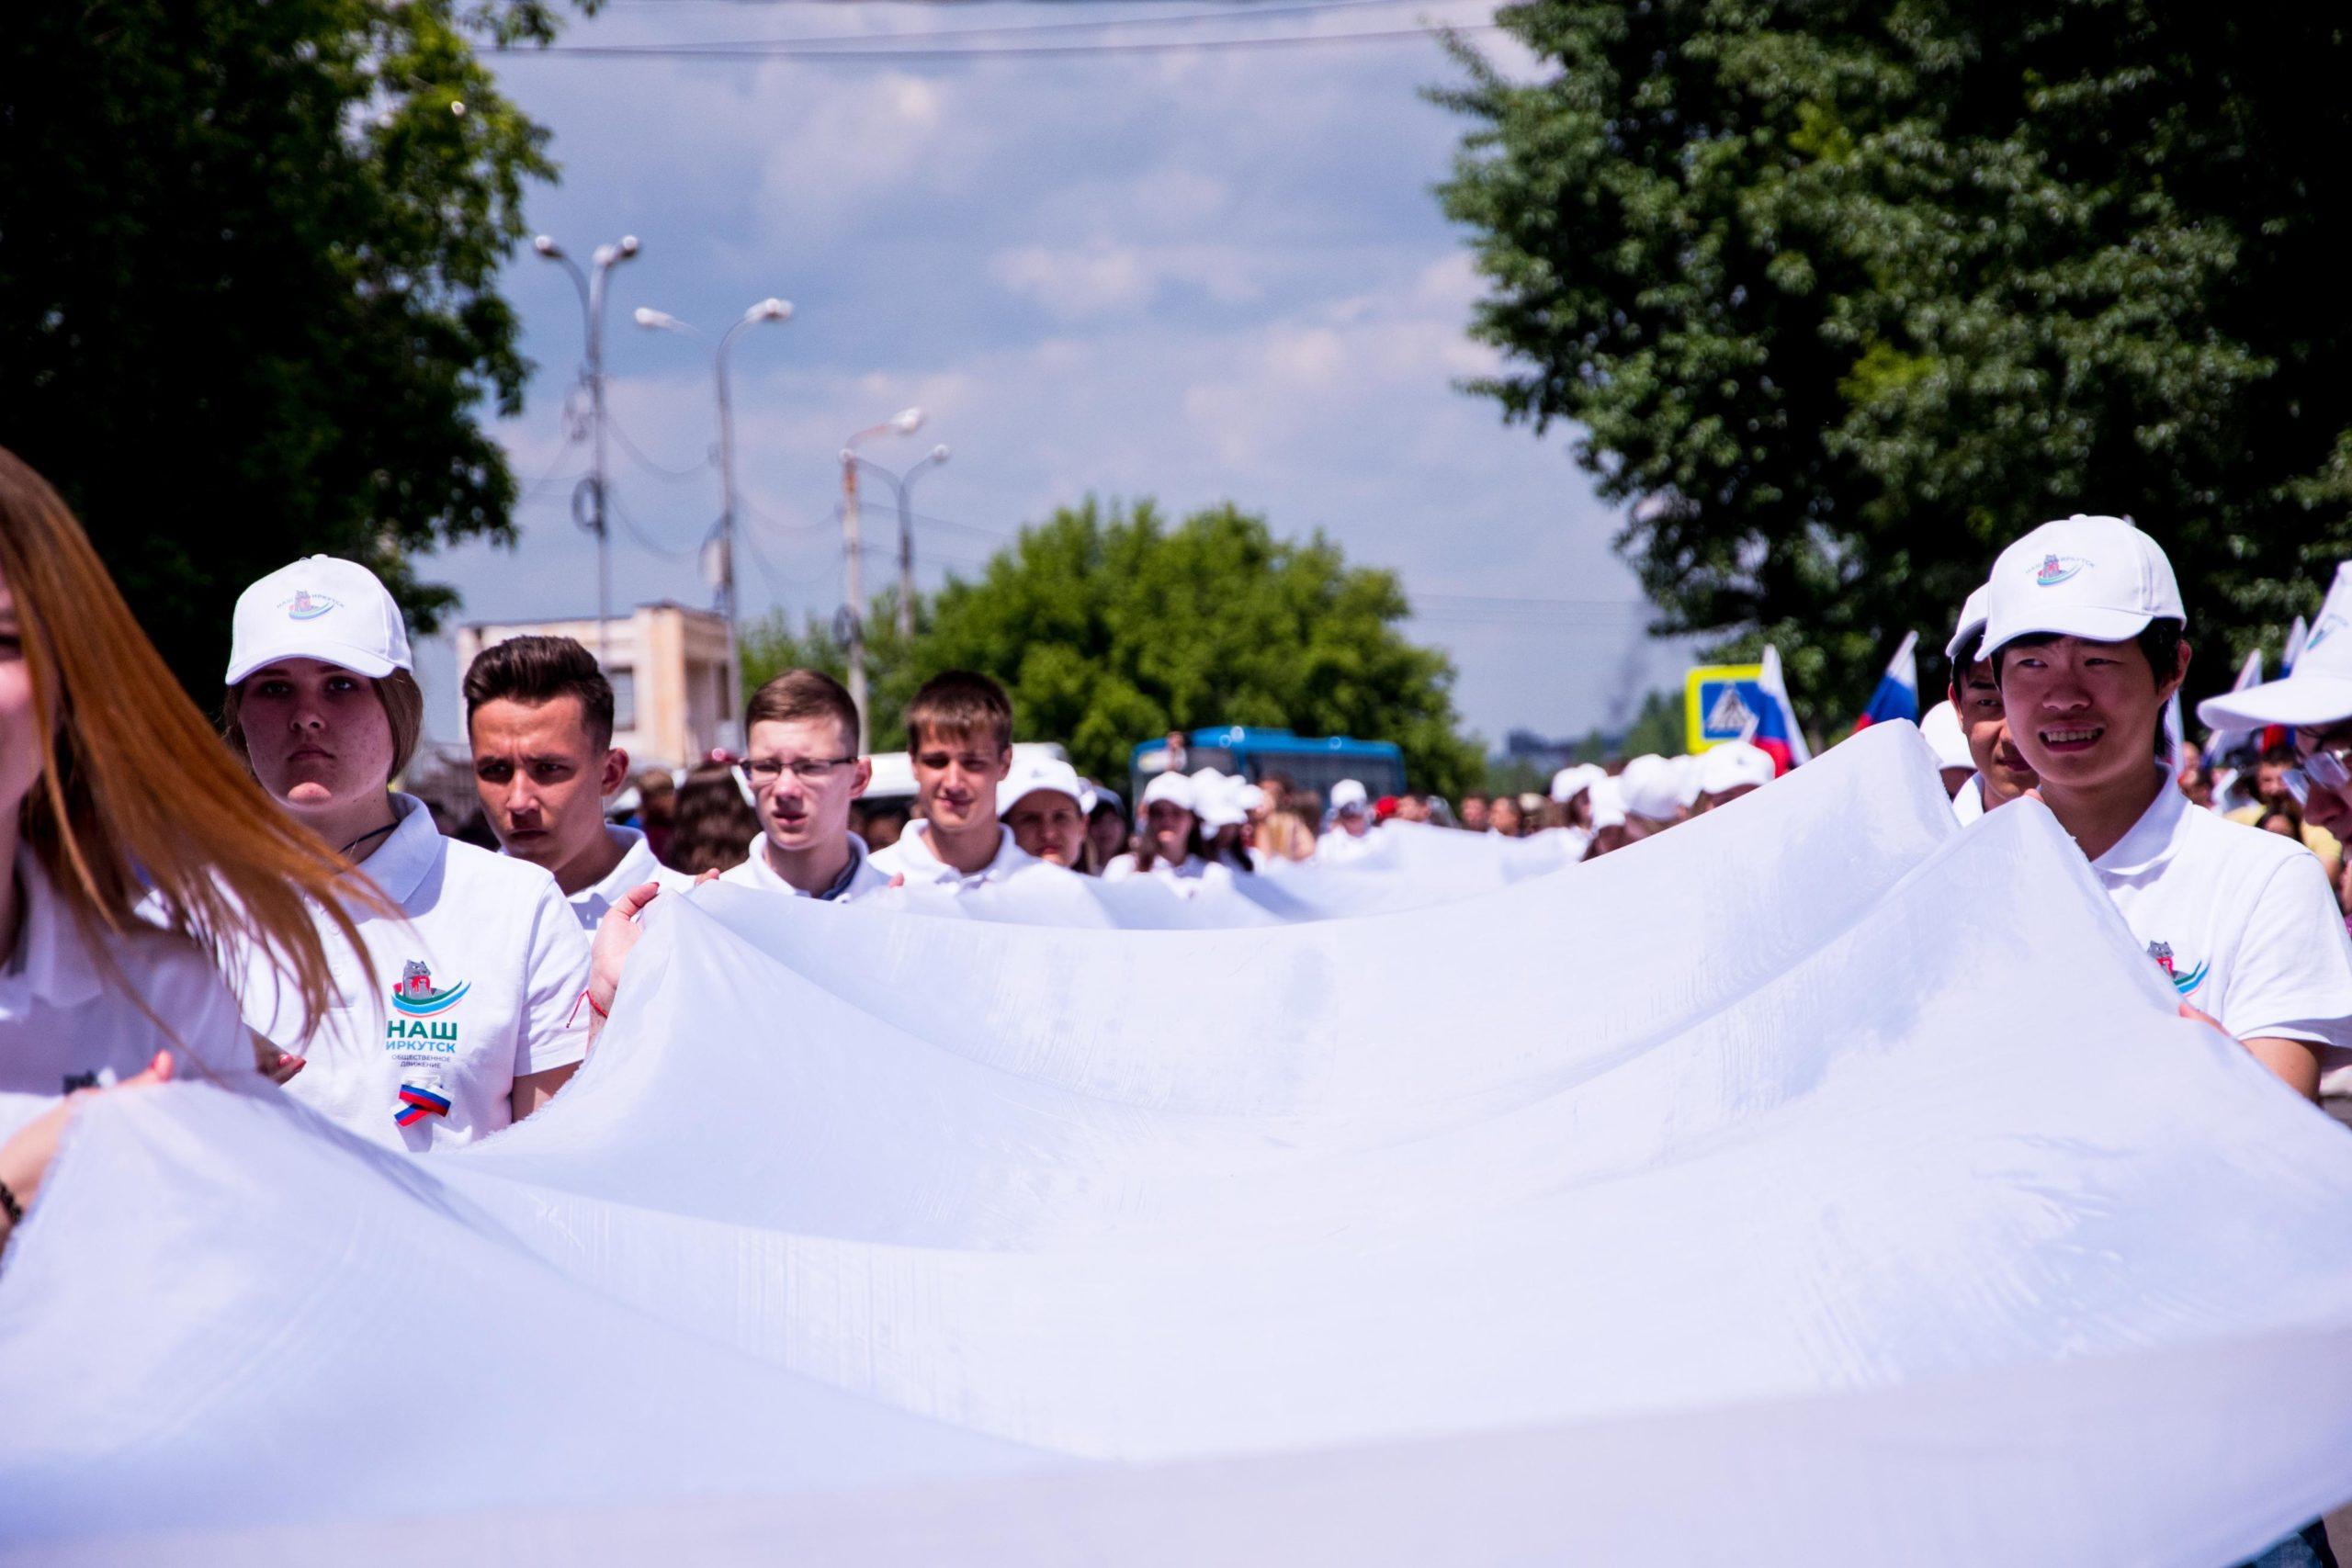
[{"x": 671, "y": 700}]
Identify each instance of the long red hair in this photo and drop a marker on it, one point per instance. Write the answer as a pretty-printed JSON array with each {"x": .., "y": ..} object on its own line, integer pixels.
[{"x": 137, "y": 794}]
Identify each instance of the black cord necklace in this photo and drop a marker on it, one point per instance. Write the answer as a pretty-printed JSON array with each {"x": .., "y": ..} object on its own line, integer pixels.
[{"x": 371, "y": 833}]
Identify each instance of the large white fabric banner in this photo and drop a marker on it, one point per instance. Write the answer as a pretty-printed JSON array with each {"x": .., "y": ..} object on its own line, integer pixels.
[{"x": 1811, "y": 1183}]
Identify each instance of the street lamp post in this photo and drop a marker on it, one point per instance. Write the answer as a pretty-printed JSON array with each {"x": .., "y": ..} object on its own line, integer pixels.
[
  {"x": 769, "y": 310},
  {"x": 905, "y": 422},
  {"x": 902, "y": 486},
  {"x": 592, "y": 310}
]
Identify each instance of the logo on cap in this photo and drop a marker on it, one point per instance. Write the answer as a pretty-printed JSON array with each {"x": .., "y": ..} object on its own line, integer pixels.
[
  {"x": 303, "y": 607},
  {"x": 2056, "y": 569}
]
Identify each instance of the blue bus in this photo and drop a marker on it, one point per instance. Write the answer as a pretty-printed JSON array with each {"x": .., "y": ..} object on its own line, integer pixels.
[{"x": 1252, "y": 754}]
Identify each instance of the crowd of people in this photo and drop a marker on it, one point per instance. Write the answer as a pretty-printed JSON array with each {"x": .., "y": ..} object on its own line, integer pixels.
[{"x": 256, "y": 903}]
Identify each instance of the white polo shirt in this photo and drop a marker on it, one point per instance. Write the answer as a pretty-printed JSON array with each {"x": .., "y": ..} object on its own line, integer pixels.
[
  {"x": 911, "y": 858},
  {"x": 860, "y": 881},
  {"x": 67, "y": 1024},
  {"x": 1189, "y": 879},
  {"x": 1969, "y": 803},
  {"x": 1338, "y": 846},
  {"x": 2242, "y": 921},
  {"x": 479, "y": 986},
  {"x": 636, "y": 868}
]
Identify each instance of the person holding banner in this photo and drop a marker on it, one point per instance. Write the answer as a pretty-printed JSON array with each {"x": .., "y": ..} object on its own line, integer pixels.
[
  {"x": 112, "y": 887},
  {"x": 802, "y": 768},
  {"x": 2314, "y": 702},
  {"x": 959, "y": 741},
  {"x": 471, "y": 1011},
  {"x": 2084, "y": 623},
  {"x": 2002, "y": 775}
]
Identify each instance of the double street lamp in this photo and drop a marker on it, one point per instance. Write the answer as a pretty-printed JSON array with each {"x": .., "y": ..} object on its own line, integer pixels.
[
  {"x": 904, "y": 423},
  {"x": 722, "y": 571},
  {"x": 588, "y": 500},
  {"x": 902, "y": 486}
]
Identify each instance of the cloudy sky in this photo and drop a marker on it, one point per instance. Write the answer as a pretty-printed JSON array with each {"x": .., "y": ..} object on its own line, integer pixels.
[{"x": 1191, "y": 274}]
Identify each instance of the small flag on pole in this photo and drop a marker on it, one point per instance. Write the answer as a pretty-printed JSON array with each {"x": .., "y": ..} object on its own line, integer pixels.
[
  {"x": 1777, "y": 731},
  {"x": 2223, "y": 742},
  {"x": 1898, "y": 690}
]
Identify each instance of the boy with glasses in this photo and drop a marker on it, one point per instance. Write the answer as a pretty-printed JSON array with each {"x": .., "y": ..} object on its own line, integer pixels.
[{"x": 801, "y": 765}]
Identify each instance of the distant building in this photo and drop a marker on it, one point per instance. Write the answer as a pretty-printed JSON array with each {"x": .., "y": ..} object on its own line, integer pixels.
[{"x": 668, "y": 667}]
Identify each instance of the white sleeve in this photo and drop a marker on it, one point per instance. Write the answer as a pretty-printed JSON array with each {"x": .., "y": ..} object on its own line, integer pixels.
[
  {"x": 2292, "y": 978},
  {"x": 206, "y": 1023},
  {"x": 553, "y": 1029}
]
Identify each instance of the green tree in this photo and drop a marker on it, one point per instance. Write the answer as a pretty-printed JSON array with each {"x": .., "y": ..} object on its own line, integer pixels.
[
  {"x": 248, "y": 305},
  {"x": 1108, "y": 626},
  {"x": 1658, "y": 728},
  {"x": 1840, "y": 296}
]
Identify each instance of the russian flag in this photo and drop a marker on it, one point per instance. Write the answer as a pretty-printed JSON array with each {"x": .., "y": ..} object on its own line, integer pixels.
[
  {"x": 2276, "y": 736},
  {"x": 2223, "y": 742},
  {"x": 1777, "y": 731},
  {"x": 1898, "y": 690}
]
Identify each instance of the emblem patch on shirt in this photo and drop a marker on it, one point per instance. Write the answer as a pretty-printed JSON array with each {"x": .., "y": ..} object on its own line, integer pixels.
[
  {"x": 2162, "y": 952},
  {"x": 418, "y": 996},
  {"x": 2056, "y": 569},
  {"x": 417, "y": 1024}
]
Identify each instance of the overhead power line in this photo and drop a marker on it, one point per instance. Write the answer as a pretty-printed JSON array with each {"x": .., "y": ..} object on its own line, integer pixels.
[
  {"x": 686, "y": 52},
  {"x": 1241, "y": 12}
]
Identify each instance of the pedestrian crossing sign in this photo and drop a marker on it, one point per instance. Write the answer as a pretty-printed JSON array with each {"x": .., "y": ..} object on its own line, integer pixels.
[{"x": 1720, "y": 703}]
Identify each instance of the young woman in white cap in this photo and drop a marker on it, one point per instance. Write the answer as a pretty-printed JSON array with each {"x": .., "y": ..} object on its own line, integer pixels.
[
  {"x": 93, "y": 994},
  {"x": 2084, "y": 624},
  {"x": 1168, "y": 845},
  {"x": 1221, "y": 805},
  {"x": 1347, "y": 833},
  {"x": 474, "y": 1013},
  {"x": 1049, "y": 813}
]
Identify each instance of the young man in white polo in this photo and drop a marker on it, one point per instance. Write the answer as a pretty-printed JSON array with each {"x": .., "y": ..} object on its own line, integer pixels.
[
  {"x": 2000, "y": 773},
  {"x": 2315, "y": 703},
  {"x": 801, "y": 765},
  {"x": 540, "y": 717},
  {"x": 960, "y": 739},
  {"x": 2084, "y": 624}
]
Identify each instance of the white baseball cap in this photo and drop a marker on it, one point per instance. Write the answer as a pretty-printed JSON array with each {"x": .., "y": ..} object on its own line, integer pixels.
[
  {"x": 322, "y": 608},
  {"x": 1608, "y": 804},
  {"x": 1940, "y": 727},
  {"x": 1349, "y": 794},
  {"x": 2320, "y": 689},
  {"x": 1972, "y": 619},
  {"x": 1217, "y": 800},
  {"x": 1573, "y": 781},
  {"x": 1651, "y": 787},
  {"x": 1734, "y": 764},
  {"x": 2096, "y": 577},
  {"x": 1171, "y": 786},
  {"x": 1687, "y": 784},
  {"x": 1047, "y": 774}
]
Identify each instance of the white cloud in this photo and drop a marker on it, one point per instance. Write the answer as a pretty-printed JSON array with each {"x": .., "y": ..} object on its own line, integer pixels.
[
  {"x": 1075, "y": 283},
  {"x": 1195, "y": 277}
]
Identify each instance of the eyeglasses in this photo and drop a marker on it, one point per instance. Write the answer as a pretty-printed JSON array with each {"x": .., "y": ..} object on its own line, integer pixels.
[
  {"x": 2328, "y": 766},
  {"x": 762, "y": 773}
]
